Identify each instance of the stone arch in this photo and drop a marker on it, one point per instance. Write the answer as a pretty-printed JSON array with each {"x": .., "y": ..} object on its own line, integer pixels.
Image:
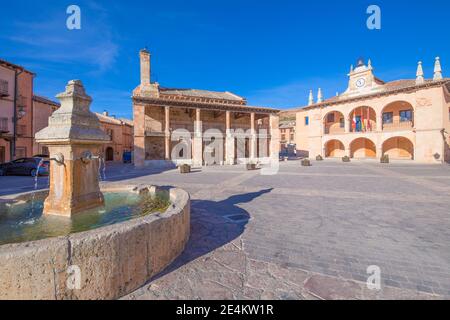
[
  {"x": 334, "y": 149},
  {"x": 397, "y": 115},
  {"x": 361, "y": 148},
  {"x": 334, "y": 122},
  {"x": 398, "y": 148},
  {"x": 363, "y": 119}
]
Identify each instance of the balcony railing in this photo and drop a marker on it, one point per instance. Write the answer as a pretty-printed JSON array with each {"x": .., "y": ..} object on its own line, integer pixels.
[
  {"x": 331, "y": 130},
  {"x": 4, "y": 88},
  {"x": 397, "y": 125},
  {"x": 4, "y": 125}
]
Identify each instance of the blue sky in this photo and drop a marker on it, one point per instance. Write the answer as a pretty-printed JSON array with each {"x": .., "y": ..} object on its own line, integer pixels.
[{"x": 271, "y": 52}]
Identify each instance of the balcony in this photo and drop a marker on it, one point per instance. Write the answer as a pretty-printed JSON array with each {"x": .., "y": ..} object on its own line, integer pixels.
[
  {"x": 4, "y": 88},
  {"x": 398, "y": 125},
  {"x": 4, "y": 125},
  {"x": 334, "y": 130}
]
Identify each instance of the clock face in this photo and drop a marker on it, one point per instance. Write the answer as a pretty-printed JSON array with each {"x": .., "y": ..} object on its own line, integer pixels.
[{"x": 360, "y": 83}]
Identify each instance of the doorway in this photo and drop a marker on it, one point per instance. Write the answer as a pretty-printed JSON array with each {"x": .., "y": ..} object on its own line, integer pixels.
[
  {"x": 2, "y": 154},
  {"x": 109, "y": 154}
]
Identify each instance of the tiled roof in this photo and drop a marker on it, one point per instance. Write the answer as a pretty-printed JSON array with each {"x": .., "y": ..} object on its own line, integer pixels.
[
  {"x": 202, "y": 94},
  {"x": 13, "y": 66},
  {"x": 113, "y": 120},
  {"x": 127, "y": 121},
  {"x": 46, "y": 101},
  {"x": 287, "y": 124},
  {"x": 107, "y": 119},
  {"x": 385, "y": 88}
]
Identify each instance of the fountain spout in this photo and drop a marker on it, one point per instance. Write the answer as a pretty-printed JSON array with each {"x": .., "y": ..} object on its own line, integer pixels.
[
  {"x": 58, "y": 158},
  {"x": 87, "y": 157}
]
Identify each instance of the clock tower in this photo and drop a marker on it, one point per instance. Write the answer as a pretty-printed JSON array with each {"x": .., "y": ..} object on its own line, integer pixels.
[{"x": 361, "y": 79}]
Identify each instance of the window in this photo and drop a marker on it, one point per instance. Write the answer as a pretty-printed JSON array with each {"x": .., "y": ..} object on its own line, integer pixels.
[
  {"x": 388, "y": 117},
  {"x": 306, "y": 121},
  {"x": 330, "y": 117},
  {"x": 110, "y": 133},
  {"x": 341, "y": 123},
  {"x": 405, "y": 115},
  {"x": 45, "y": 151},
  {"x": 4, "y": 124}
]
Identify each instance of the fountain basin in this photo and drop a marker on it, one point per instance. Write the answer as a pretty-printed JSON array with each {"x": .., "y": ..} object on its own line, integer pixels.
[{"x": 103, "y": 263}]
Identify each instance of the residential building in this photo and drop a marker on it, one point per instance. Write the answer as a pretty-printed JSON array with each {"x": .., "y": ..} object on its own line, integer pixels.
[
  {"x": 404, "y": 119},
  {"x": 287, "y": 135},
  {"x": 121, "y": 134},
  {"x": 16, "y": 111},
  {"x": 159, "y": 112},
  {"x": 42, "y": 110}
]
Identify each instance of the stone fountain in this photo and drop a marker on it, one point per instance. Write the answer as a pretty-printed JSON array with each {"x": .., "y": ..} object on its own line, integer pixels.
[{"x": 74, "y": 138}]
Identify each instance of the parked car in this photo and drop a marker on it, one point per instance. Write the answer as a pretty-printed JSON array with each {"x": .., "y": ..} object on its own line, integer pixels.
[
  {"x": 127, "y": 157},
  {"x": 25, "y": 166}
]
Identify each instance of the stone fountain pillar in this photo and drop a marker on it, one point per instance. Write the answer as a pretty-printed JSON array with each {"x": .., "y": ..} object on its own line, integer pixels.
[{"x": 74, "y": 138}]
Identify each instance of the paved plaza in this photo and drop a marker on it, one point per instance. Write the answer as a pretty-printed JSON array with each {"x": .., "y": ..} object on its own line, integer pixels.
[{"x": 307, "y": 232}]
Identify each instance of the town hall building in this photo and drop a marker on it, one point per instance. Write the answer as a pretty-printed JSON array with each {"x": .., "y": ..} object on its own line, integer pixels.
[{"x": 404, "y": 119}]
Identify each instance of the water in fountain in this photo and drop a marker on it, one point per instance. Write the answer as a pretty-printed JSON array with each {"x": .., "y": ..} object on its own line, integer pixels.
[
  {"x": 104, "y": 168},
  {"x": 16, "y": 224},
  {"x": 36, "y": 177}
]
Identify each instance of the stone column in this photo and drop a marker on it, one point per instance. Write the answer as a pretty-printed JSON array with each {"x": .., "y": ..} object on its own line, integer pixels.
[
  {"x": 197, "y": 156},
  {"x": 379, "y": 118},
  {"x": 347, "y": 124},
  {"x": 229, "y": 141},
  {"x": 139, "y": 135},
  {"x": 379, "y": 151},
  {"x": 167, "y": 133},
  {"x": 347, "y": 151},
  {"x": 253, "y": 139},
  {"x": 274, "y": 122}
]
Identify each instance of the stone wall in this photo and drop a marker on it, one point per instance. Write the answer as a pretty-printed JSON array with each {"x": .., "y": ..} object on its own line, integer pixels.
[{"x": 113, "y": 260}]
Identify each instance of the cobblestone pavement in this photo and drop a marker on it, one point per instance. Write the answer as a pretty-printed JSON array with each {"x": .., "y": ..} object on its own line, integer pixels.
[
  {"x": 311, "y": 233},
  {"x": 307, "y": 232}
]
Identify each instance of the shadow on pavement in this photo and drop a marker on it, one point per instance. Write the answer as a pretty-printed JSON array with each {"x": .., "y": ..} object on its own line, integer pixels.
[{"x": 213, "y": 226}]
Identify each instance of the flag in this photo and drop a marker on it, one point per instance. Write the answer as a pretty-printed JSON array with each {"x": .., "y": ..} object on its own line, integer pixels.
[
  {"x": 369, "y": 125},
  {"x": 354, "y": 121},
  {"x": 363, "y": 126}
]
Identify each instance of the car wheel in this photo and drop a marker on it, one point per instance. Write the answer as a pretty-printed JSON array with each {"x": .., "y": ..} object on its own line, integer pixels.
[{"x": 33, "y": 173}]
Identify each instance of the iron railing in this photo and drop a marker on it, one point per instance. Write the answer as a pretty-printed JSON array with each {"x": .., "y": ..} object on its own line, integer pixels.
[
  {"x": 398, "y": 125},
  {"x": 4, "y": 88}
]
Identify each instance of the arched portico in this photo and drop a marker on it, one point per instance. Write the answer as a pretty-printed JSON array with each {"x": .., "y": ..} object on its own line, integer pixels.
[
  {"x": 398, "y": 148},
  {"x": 363, "y": 119},
  {"x": 397, "y": 115},
  {"x": 363, "y": 148},
  {"x": 334, "y": 123},
  {"x": 334, "y": 149}
]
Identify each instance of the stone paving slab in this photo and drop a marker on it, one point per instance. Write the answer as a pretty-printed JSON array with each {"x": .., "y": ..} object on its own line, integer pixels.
[{"x": 308, "y": 233}]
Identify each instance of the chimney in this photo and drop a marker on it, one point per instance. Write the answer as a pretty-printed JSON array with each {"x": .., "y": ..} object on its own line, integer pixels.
[
  {"x": 144, "y": 55},
  {"x": 105, "y": 113}
]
